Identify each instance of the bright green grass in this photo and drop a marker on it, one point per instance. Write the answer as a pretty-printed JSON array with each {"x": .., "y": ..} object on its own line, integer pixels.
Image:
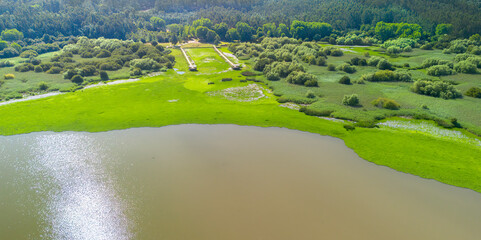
[
  {"x": 173, "y": 98},
  {"x": 207, "y": 60}
]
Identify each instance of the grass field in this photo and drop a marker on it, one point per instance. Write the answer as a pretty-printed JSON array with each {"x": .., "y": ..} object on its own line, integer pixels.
[{"x": 189, "y": 97}]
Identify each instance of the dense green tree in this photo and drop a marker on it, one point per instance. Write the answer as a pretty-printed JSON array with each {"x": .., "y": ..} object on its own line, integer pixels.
[
  {"x": 283, "y": 30},
  {"x": 157, "y": 23},
  {"x": 3, "y": 45},
  {"x": 442, "y": 29},
  {"x": 245, "y": 31},
  {"x": 203, "y": 22},
  {"x": 308, "y": 30},
  {"x": 221, "y": 29},
  {"x": 11, "y": 35},
  {"x": 232, "y": 35}
]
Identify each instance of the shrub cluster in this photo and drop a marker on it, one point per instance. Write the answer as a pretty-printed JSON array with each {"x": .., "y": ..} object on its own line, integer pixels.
[
  {"x": 9, "y": 76},
  {"x": 439, "y": 70},
  {"x": 438, "y": 89},
  {"x": 346, "y": 67},
  {"x": 345, "y": 80},
  {"x": 302, "y": 78},
  {"x": 386, "y": 103},
  {"x": 474, "y": 92},
  {"x": 465, "y": 67},
  {"x": 429, "y": 62},
  {"x": 351, "y": 100},
  {"x": 387, "y": 76}
]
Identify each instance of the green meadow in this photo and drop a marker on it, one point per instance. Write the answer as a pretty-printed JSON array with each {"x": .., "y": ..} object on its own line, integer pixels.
[
  {"x": 183, "y": 97},
  {"x": 330, "y": 92}
]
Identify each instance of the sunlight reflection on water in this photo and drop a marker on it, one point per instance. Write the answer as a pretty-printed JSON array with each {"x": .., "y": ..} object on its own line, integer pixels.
[{"x": 82, "y": 202}]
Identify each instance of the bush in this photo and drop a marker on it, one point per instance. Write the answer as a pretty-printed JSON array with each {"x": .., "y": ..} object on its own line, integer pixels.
[
  {"x": 29, "y": 54},
  {"x": 104, "y": 76},
  {"x": 6, "y": 64},
  {"x": 70, "y": 73},
  {"x": 439, "y": 70},
  {"x": 427, "y": 46},
  {"x": 110, "y": 66},
  {"x": 88, "y": 71},
  {"x": 347, "y": 68},
  {"x": 38, "y": 69},
  {"x": 351, "y": 100},
  {"x": 302, "y": 78},
  {"x": 9, "y": 76},
  {"x": 310, "y": 94},
  {"x": 476, "y": 61},
  {"x": 434, "y": 61},
  {"x": 9, "y": 53},
  {"x": 336, "y": 52},
  {"x": 474, "y": 92},
  {"x": 311, "y": 83},
  {"x": 54, "y": 70},
  {"x": 262, "y": 63},
  {"x": 77, "y": 79},
  {"x": 24, "y": 67},
  {"x": 345, "y": 80},
  {"x": 46, "y": 66},
  {"x": 103, "y": 54},
  {"x": 393, "y": 50},
  {"x": 42, "y": 86},
  {"x": 86, "y": 54},
  {"x": 282, "y": 69},
  {"x": 136, "y": 72},
  {"x": 465, "y": 67},
  {"x": 374, "y": 61},
  {"x": 438, "y": 89},
  {"x": 384, "y": 64},
  {"x": 349, "y": 127},
  {"x": 144, "y": 64},
  {"x": 272, "y": 76},
  {"x": 387, "y": 76},
  {"x": 358, "y": 61},
  {"x": 386, "y": 103},
  {"x": 315, "y": 112},
  {"x": 331, "y": 67},
  {"x": 34, "y": 61},
  {"x": 399, "y": 43}
]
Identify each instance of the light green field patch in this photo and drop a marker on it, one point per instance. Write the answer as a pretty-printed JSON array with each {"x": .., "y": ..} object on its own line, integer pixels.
[
  {"x": 249, "y": 93},
  {"x": 431, "y": 129}
]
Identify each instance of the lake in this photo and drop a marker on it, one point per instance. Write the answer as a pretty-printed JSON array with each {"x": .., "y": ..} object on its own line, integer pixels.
[{"x": 217, "y": 182}]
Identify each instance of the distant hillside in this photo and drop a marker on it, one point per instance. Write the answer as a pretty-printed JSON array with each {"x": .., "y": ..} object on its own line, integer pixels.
[{"x": 117, "y": 18}]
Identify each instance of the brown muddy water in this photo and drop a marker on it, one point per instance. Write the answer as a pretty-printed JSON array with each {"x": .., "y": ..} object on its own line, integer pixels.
[{"x": 217, "y": 182}]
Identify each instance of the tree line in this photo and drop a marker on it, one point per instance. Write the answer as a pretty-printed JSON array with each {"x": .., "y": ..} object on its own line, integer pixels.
[{"x": 122, "y": 18}]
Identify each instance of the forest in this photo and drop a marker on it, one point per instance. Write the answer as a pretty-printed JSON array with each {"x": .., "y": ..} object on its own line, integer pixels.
[{"x": 120, "y": 19}]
